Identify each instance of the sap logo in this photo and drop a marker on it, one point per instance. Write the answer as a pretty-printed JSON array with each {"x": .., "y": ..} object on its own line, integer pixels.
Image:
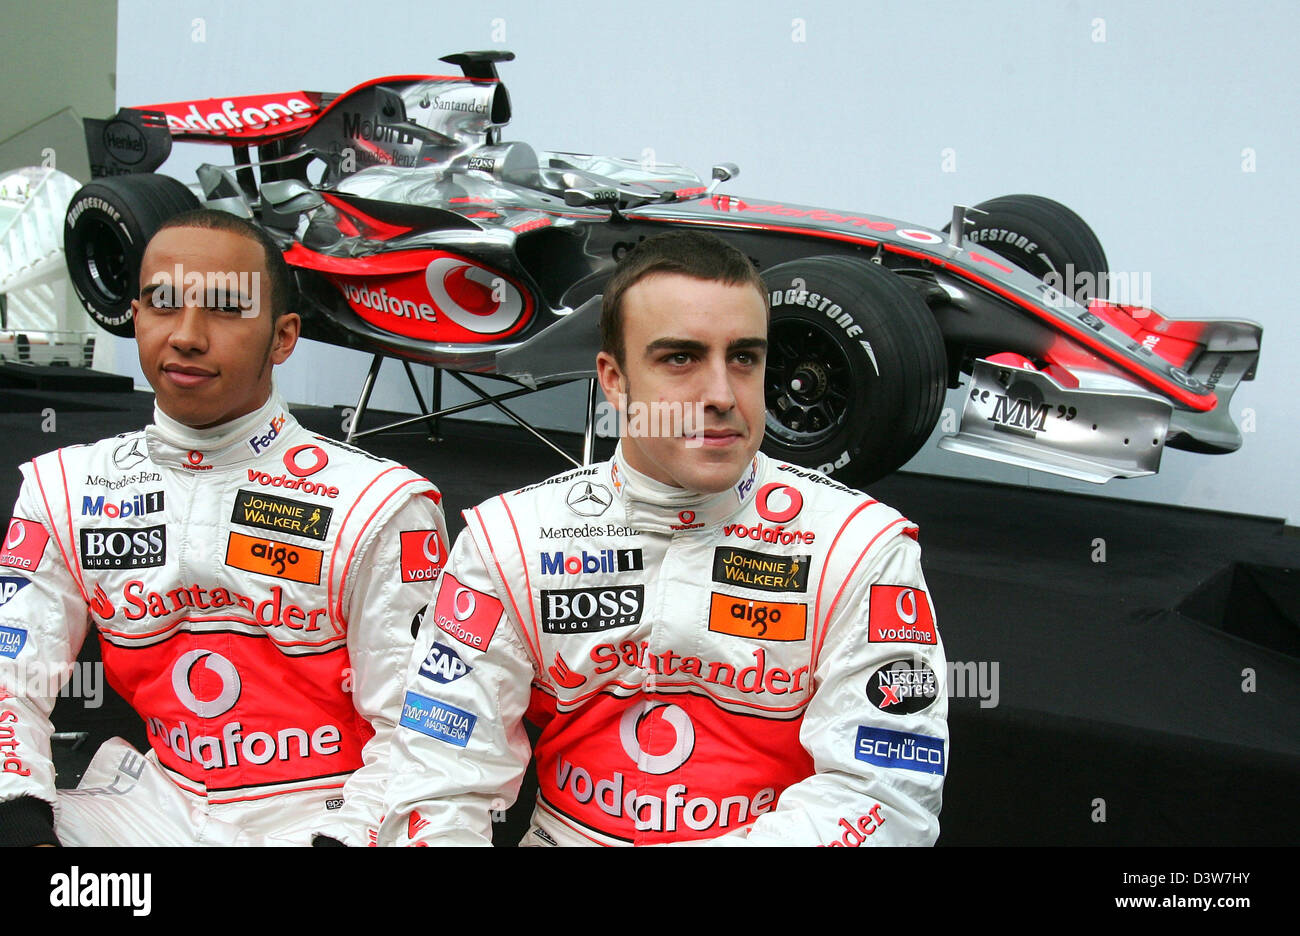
[
  {"x": 10, "y": 586},
  {"x": 443, "y": 664}
]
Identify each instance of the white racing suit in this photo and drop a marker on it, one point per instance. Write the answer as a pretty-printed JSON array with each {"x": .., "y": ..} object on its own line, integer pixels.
[
  {"x": 254, "y": 588},
  {"x": 758, "y": 666}
]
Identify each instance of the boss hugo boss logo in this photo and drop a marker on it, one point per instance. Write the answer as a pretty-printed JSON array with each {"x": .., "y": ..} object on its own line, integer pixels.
[
  {"x": 584, "y": 610},
  {"x": 271, "y": 557},
  {"x": 111, "y": 548}
]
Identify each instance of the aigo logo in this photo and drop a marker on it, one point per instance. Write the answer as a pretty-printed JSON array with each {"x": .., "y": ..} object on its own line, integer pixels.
[
  {"x": 629, "y": 734},
  {"x": 472, "y": 296},
  {"x": 778, "y": 503},
  {"x": 219, "y": 666}
]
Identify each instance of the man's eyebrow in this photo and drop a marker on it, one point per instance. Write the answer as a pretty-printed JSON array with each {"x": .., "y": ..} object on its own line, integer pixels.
[
  {"x": 675, "y": 344},
  {"x": 747, "y": 344},
  {"x": 150, "y": 289}
]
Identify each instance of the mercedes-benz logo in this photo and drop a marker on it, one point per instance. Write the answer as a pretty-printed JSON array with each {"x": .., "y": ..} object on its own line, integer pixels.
[
  {"x": 588, "y": 500},
  {"x": 129, "y": 454}
]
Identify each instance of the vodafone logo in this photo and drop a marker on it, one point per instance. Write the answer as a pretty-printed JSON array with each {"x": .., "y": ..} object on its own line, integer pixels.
[
  {"x": 778, "y": 502},
  {"x": 17, "y": 533},
  {"x": 195, "y": 457},
  {"x": 473, "y": 297},
  {"x": 629, "y": 730},
  {"x": 182, "y": 672},
  {"x": 303, "y": 461},
  {"x": 686, "y": 516},
  {"x": 463, "y": 604},
  {"x": 924, "y": 237},
  {"x": 905, "y": 605}
]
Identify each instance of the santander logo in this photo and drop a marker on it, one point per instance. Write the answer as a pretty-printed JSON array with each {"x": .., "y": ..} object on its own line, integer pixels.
[{"x": 472, "y": 296}]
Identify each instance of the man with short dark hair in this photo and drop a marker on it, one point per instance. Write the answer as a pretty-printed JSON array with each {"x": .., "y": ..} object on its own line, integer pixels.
[
  {"x": 717, "y": 647},
  {"x": 253, "y": 584}
]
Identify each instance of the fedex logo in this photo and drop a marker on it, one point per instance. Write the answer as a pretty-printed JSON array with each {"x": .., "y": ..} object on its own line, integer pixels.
[{"x": 259, "y": 443}]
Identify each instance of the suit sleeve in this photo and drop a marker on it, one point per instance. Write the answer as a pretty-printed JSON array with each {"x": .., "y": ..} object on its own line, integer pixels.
[
  {"x": 879, "y": 754},
  {"x": 43, "y": 621},
  {"x": 380, "y": 608},
  {"x": 460, "y": 750}
]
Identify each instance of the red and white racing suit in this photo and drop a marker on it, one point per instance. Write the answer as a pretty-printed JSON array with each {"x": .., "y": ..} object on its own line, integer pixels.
[
  {"x": 253, "y": 586},
  {"x": 756, "y": 666}
]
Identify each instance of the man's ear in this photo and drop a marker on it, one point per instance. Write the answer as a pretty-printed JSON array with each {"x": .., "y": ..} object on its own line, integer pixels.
[
  {"x": 287, "y": 329},
  {"x": 612, "y": 381}
]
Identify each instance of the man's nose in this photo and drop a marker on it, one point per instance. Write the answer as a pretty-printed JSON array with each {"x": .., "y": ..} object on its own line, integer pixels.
[
  {"x": 189, "y": 330},
  {"x": 717, "y": 392}
]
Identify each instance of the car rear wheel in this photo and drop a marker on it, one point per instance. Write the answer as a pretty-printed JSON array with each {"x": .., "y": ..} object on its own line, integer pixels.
[
  {"x": 1047, "y": 239},
  {"x": 856, "y": 371},
  {"x": 105, "y": 231}
]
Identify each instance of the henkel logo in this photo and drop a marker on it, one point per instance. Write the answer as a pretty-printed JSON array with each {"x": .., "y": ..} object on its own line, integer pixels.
[
  {"x": 473, "y": 297},
  {"x": 24, "y": 544},
  {"x": 221, "y": 670},
  {"x": 260, "y": 443},
  {"x": 467, "y": 614},
  {"x": 683, "y": 733},
  {"x": 140, "y": 504},
  {"x": 900, "y": 613},
  {"x": 778, "y": 502},
  {"x": 303, "y": 461},
  {"x": 422, "y": 555}
]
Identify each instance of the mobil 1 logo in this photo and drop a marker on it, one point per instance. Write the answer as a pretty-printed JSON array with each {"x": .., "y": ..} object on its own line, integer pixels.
[
  {"x": 903, "y": 687},
  {"x": 583, "y": 610},
  {"x": 124, "y": 548}
]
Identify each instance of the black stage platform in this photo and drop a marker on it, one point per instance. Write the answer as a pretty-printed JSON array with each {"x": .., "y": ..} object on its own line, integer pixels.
[{"x": 1158, "y": 690}]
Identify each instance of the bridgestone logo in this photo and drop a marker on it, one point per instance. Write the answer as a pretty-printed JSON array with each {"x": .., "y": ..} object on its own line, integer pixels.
[{"x": 93, "y": 202}]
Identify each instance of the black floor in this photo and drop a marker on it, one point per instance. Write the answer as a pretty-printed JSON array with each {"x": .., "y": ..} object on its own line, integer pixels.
[{"x": 1125, "y": 712}]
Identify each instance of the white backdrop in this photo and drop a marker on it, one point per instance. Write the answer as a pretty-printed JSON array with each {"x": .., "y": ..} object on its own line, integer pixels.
[{"x": 1172, "y": 128}]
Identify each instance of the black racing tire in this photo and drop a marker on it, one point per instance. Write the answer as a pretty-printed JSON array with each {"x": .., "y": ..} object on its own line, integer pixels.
[
  {"x": 1047, "y": 239},
  {"x": 856, "y": 369},
  {"x": 105, "y": 231}
]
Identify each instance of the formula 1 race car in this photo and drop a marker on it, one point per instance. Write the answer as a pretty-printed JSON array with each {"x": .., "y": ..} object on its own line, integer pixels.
[{"x": 414, "y": 232}]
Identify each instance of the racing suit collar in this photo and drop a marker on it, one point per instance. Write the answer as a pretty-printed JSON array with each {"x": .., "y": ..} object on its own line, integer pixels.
[
  {"x": 176, "y": 444},
  {"x": 651, "y": 505}
]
